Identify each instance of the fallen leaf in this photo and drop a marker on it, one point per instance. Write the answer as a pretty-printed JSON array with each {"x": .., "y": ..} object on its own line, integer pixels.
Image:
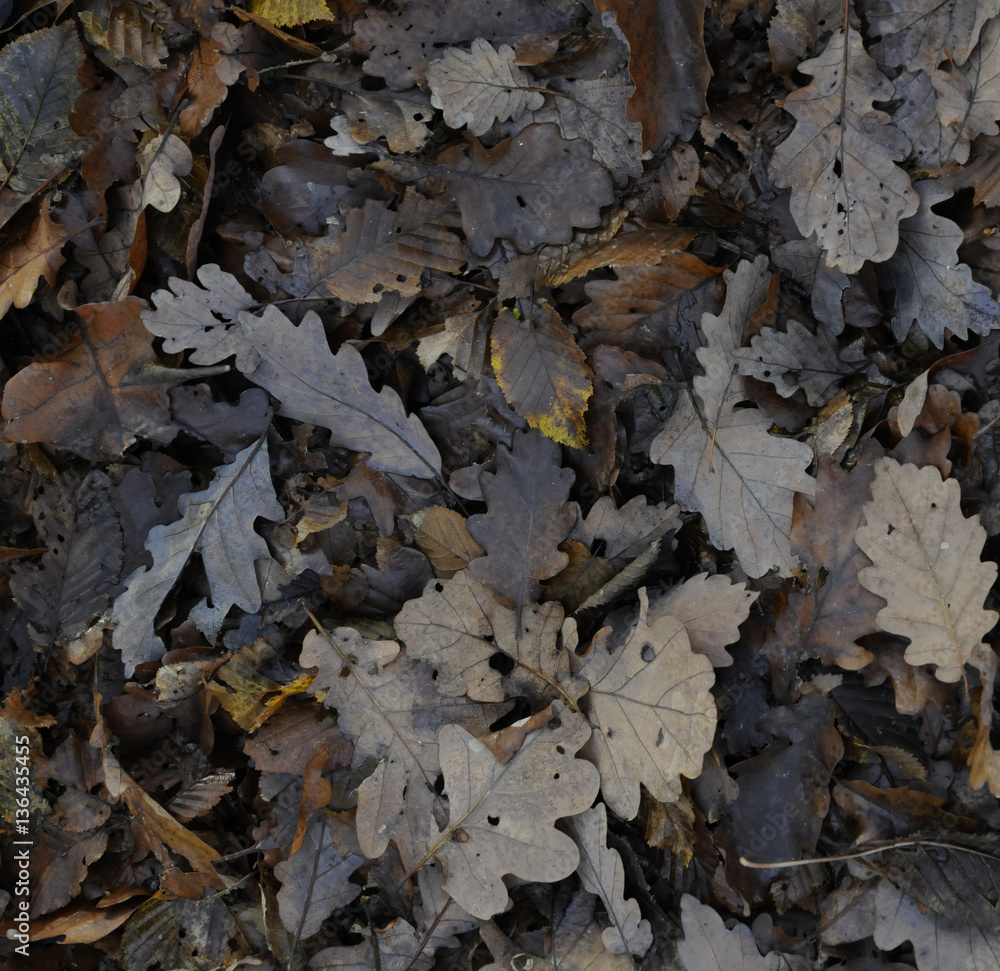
[
  {"x": 601, "y": 872},
  {"x": 502, "y": 815},
  {"x": 839, "y": 159},
  {"x": 652, "y": 710},
  {"x": 37, "y": 255},
  {"x": 96, "y": 397},
  {"x": 480, "y": 86},
  {"x": 926, "y": 566},
  {"x": 37, "y": 144},
  {"x": 163, "y": 159},
  {"x": 542, "y": 373},
  {"x": 527, "y": 518},
  {"x": 217, "y": 523},
  {"x": 709, "y": 946}
]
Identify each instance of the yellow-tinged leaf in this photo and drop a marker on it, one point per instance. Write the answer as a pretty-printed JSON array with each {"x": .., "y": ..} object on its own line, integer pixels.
[
  {"x": 543, "y": 374},
  {"x": 253, "y": 697},
  {"x": 290, "y": 13}
]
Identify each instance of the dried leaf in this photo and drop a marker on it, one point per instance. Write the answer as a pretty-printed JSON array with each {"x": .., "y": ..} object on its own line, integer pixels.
[
  {"x": 839, "y": 158},
  {"x": 795, "y": 28},
  {"x": 502, "y": 815},
  {"x": 296, "y": 365},
  {"x": 38, "y": 86},
  {"x": 291, "y": 13},
  {"x": 163, "y": 159},
  {"x": 125, "y": 30},
  {"x": 542, "y": 373},
  {"x": 912, "y": 403},
  {"x": 480, "y": 86},
  {"x": 711, "y": 608},
  {"x": 601, "y": 872},
  {"x": 37, "y": 255},
  {"x": 792, "y": 360},
  {"x": 442, "y": 535},
  {"x": 727, "y": 466},
  {"x": 531, "y": 188},
  {"x": 933, "y": 290},
  {"x": 626, "y": 531},
  {"x": 95, "y": 398},
  {"x": 926, "y": 566},
  {"x": 652, "y": 710},
  {"x": 315, "y": 879},
  {"x": 527, "y": 518},
  {"x": 917, "y": 34},
  {"x": 217, "y": 523},
  {"x": 709, "y": 946},
  {"x": 669, "y": 96}
]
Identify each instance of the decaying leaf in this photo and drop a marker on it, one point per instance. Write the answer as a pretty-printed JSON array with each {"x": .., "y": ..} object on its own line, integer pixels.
[
  {"x": 840, "y": 158},
  {"x": 502, "y": 814},
  {"x": 38, "y": 255},
  {"x": 709, "y": 946},
  {"x": 218, "y": 523},
  {"x": 542, "y": 373},
  {"x": 926, "y": 566},
  {"x": 38, "y": 86},
  {"x": 652, "y": 710},
  {"x": 477, "y": 87}
]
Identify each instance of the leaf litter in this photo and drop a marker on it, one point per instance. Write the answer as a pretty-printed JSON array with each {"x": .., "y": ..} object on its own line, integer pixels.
[{"x": 480, "y": 493}]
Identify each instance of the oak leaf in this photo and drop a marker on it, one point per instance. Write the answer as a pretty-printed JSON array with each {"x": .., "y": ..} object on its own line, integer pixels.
[
  {"x": 444, "y": 539},
  {"x": 652, "y": 710},
  {"x": 628, "y": 530},
  {"x": 527, "y": 518},
  {"x": 38, "y": 254},
  {"x": 839, "y": 159},
  {"x": 531, "y": 188},
  {"x": 926, "y": 566},
  {"x": 296, "y": 365},
  {"x": 502, "y": 814},
  {"x": 933, "y": 289},
  {"x": 315, "y": 879},
  {"x": 95, "y": 398},
  {"x": 218, "y": 523},
  {"x": 709, "y": 946},
  {"x": 480, "y": 86},
  {"x": 601, "y": 872},
  {"x": 542, "y": 373},
  {"x": 38, "y": 87},
  {"x": 727, "y": 466}
]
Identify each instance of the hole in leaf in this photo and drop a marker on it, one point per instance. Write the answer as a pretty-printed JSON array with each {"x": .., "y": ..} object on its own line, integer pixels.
[
  {"x": 647, "y": 652},
  {"x": 493, "y": 820},
  {"x": 502, "y": 663}
]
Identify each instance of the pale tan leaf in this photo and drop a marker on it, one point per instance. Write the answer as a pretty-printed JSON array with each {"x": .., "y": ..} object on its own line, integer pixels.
[
  {"x": 543, "y": 373},
  {"x": 912, "y": 403},
  {"x": 839, "y": 159},
  {"x": 442, "y": 535},
  {"x": 709, "y": 946},
  {"x": 163, "y": 159},
  {"x": 502, "y": 815},
  {"x": 727, "y": 465},
  {"x": 626, "y": 531},
  {"x": 926, "y": 566},
  {"x": 480, "y": 86},
  {"x": 601, "y": 872},
  {"x": 652, "y": 710},
  {"x": 711, "y": 608}
]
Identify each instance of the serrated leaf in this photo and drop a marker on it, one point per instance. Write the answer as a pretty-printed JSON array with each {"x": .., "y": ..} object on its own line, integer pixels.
[
  {"x": 839, "y": 159},
  {"x": 218, "y": 523},
  {"x": 652, "y": 710},
  {"x": 38, "y": 88},
  {"x": 926, "y": 566},
  {"x": 480, "y": 86},
  {"x": 542, "y": 373}
]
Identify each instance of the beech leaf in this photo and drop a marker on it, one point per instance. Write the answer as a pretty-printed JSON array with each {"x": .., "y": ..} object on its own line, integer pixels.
[
  {"x": 502, "y": 814},
  {"x": 542, "y": 373},
  {"x": 652, "y": 710},
  {"x": 839, "y": 159},
  {"x": 218, "y": 523},
  {"x": 926, "y": 566}
]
